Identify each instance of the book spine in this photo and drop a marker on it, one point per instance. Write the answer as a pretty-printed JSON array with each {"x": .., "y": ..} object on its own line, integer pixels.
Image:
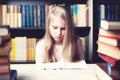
[
  {"x": 42, "y": 12},
  {"x": 31, "y": 16},
  {"x": 23, "y": 16}
]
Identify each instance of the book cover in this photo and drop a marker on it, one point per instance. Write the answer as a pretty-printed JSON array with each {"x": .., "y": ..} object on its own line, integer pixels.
[
  {"x": 110, "y": 41},
  {"x": 23, "y": 8},
  {"x": 19, "y": 15},
  {"x": 108, "y": 50},
  {"x": 35, "y": 16},
  {"x": 110, "y": 25},
  {"x": 11, "y": 16},
  {"x": 5, "y": 68},
  {"x": 108, "y": 59},
  {"x": 31, "y": 16},
  {"x": 4, "y": 30},
  {"x": 112, "y": 71},
  {"x": 15, "y": 16},
  {"x": 109, "y": 33},
  {"x": 42, "y": 16},
  {"x": 4, "y": 14}
]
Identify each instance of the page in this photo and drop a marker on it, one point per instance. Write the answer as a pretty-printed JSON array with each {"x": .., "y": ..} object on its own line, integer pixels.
[{"x": 63, "y": 65}]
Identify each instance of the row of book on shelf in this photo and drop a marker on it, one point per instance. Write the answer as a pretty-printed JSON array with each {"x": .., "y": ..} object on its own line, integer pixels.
[
  {"x": 23, "y": 49},
  {"x": 34, "y": 16},
  {"x": 109, "y": 45},
  {"x": 110, "y": 11},
  {"x": 5, "y": 47}
]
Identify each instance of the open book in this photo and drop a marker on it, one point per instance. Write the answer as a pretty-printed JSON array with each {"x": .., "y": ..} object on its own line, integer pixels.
[{"x": 63, "y": 65}]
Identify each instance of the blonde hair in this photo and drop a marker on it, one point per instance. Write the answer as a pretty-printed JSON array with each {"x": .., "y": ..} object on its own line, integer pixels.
[{"x": 69, "y": 46}]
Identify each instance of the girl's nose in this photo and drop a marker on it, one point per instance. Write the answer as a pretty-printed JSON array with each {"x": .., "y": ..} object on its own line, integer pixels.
[{"x": 59, "y": 31}]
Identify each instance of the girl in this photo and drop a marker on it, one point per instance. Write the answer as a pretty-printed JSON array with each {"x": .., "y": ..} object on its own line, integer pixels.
[{"x": 59, "y": 43}]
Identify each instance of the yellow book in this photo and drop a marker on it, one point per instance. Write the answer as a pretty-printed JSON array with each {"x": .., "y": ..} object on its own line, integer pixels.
[
  {"x": 33, "y": 48},
  {"x": 13, "y": 53}
]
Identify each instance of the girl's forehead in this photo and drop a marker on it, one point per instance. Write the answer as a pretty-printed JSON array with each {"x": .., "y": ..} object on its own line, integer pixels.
[{"x": 57, "y": 18}]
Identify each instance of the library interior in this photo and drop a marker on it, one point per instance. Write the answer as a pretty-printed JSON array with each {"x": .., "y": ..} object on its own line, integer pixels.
[{"x": 96, "y": 33}]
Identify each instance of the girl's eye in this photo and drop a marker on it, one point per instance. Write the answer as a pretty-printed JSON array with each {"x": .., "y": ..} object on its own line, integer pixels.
[
  {"x": 55, "y": 27},
  {"x": 62, "y": 28}
]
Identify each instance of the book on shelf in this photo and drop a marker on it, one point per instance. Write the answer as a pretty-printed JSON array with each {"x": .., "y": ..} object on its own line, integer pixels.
[
  {"x": 111, "y": 41},
  {"x": 110, "y": 25},
  {"x": 109, "y": 50},
  {"x": 23, "y": 53}
]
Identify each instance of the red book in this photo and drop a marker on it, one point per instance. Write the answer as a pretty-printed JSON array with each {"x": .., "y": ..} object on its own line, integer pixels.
[
  {"x": 115, "y": 34},
  {"x": 109, "y": 40},
  {"x": 4, "y": 68},
  {"x": 108, "y": 59}
]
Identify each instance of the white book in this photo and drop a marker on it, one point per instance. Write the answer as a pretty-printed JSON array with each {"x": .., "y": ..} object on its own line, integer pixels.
[
  {"x": 82, "y": 17},
  {"x": 21, "y": 49},
  {"x": 4, "y": 30},
  {"x": 110, "y": 25}
]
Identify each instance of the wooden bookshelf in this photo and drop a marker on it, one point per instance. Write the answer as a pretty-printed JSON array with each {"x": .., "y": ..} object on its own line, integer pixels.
[{"x": 38, "y": 33}]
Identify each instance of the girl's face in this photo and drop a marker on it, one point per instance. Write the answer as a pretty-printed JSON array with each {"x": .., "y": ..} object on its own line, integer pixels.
[{"x": 57, "y": 29}]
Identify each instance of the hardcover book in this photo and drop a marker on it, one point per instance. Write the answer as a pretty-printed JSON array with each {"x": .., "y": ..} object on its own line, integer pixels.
[
  {"x": 110, "y": 25},
  {"x": 109, "y": 50},
  {"x": 108, "y": 40},
  {"x": 109, "y": 33}
]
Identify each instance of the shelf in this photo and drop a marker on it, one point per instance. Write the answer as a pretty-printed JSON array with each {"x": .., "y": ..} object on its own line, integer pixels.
[
  {"x": 22, "y": 62},
  {"x": 43, "y": 1},
  {"x": 108, "y": 1},
  {"x": 82, "y": 31},
  {"x": 29, "y": 32},
  {"x": 39, "y": 32}
]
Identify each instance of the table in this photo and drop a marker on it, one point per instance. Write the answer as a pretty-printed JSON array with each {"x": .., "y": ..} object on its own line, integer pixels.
[{"x": 35, "y": 72}]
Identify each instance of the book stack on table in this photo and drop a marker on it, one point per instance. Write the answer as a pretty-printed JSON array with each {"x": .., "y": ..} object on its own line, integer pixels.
[
  {"x": 5, "y": 48},
  {"x": 109, "y": 46}
]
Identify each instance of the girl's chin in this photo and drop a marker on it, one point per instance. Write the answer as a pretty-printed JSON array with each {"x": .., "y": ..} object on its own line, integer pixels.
[{"x": 58, "y": 41}]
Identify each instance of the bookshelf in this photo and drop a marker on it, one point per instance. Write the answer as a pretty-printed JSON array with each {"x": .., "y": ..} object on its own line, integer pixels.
[
  {"x": 82, "y": 31},
  {"x": 110, "y": 9}
]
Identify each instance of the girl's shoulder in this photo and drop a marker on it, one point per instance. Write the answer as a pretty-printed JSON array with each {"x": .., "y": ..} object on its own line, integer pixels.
[{"x": 41, "y": 42}]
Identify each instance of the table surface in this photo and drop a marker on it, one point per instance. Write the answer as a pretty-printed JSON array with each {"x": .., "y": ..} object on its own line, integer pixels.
[{"x": 36, "y": 72}]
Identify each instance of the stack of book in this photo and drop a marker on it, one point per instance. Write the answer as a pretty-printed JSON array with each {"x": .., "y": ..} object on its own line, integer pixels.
[
  {"x": 5, "y": 47},
  {"x": 109, "y": 44}
]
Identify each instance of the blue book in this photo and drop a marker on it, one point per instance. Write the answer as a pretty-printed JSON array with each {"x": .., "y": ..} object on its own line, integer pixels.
[
  {"x": 27, "y": 16},
  {"x": 42, "y": 13},
  {"x": 31, "y": 16},
  {"x": 23, "y": 16},
  {"x": 13, "y": 74},
  {"x": 112, "y": 71}
]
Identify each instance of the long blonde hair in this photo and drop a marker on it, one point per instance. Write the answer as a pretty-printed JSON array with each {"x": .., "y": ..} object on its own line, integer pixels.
[{"x": 70, "y": 50}]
